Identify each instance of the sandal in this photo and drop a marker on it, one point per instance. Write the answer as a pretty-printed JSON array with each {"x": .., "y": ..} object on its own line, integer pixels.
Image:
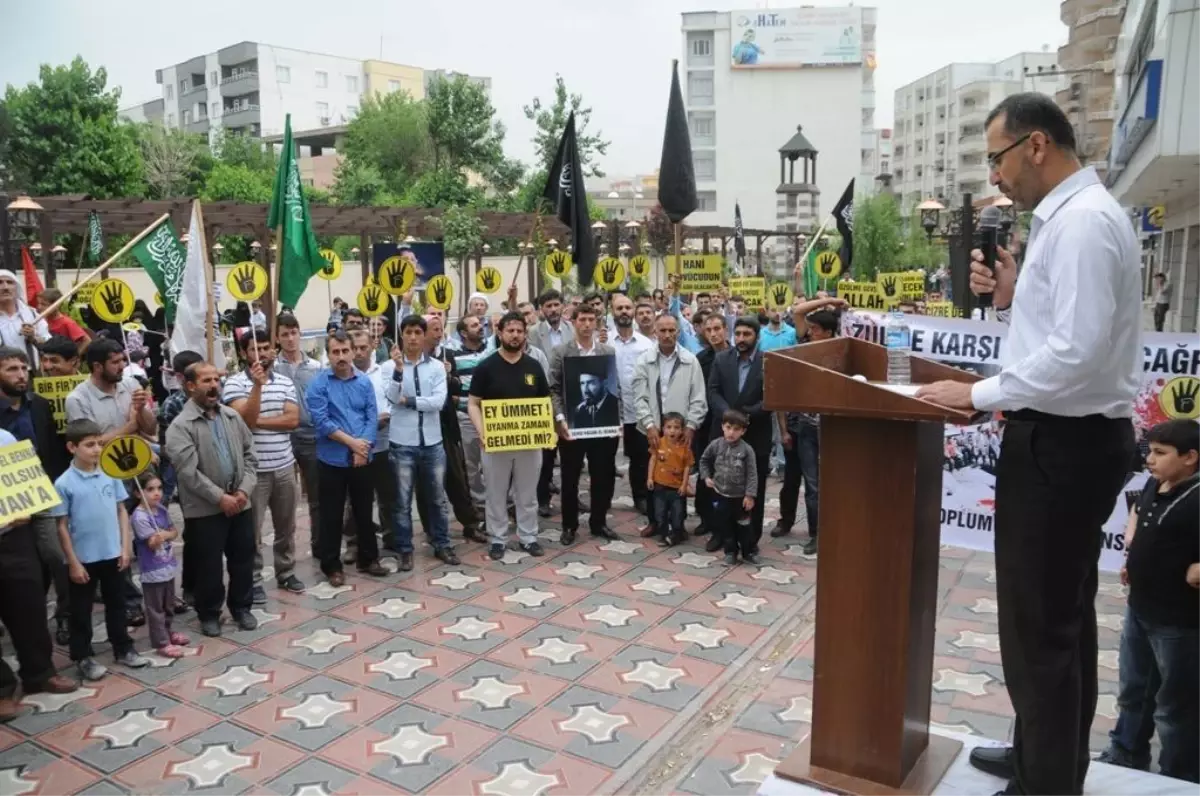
[
  {"x": 170, "y": 651},
  {"x": 180, "y": 640}
]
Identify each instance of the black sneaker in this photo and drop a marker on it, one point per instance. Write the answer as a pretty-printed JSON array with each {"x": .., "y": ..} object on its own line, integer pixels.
[
  {"x": 246, "y": 621},
  {"x": 496, "y": 552},
  {"x": 62, "y": 635},
  {"x": 534, "y": 549},
  {"x": 780, "y": 530},
  {"x": 291, "y": 583},
  {"x": 568, "y": 537},
  {"x": 809, "y": 548},
  {"x": 545, "y": 511},
  {"x": 714, "y": 544},
  {"x": 447, "y": 555},
  {"x": 701, "y": 530},
  {"x": 662, "y": 541},
  {"x": 258, "y": 595},
  {"x": 604, "y": 532},
  {"x": 750, "y": 558},
  {"x": 211, "y": 627},
  {"x": 730, "y": 559}
]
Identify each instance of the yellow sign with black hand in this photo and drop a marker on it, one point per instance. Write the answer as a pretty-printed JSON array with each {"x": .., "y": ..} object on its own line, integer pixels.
[
  {"x": 246, "y": 281},
  {"x": 488, "y": 280},
  {"x": 125, "y": 457},
  {"x": 439, "y": 292},
  {"x": 639, "y": 266},
  {"x": 779, "y": 296},
  {"x": 372, "y": 301},
  {"x": 113, "y": 301},
  {"x": 1178, "y": 398},
  {"x": 828, "y": 265},
  {"x": 333, "y": 265},
  {"x": 609, "y": 273},
  {"x": 397, "y": 275},
  {"x": 557, "y": 264}
]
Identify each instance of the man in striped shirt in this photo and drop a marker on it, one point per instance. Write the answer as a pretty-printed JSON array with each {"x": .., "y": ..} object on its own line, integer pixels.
[{"x": 267, "y": 401}]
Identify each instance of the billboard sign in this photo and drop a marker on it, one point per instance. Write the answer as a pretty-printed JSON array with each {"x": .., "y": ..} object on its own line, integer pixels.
[{"x": 796, "y": 37}]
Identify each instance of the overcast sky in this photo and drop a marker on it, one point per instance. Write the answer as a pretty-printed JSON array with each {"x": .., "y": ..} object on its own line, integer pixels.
[{"x": 617, "y": 53}]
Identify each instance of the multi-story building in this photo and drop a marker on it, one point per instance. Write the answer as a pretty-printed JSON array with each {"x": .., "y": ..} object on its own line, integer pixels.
[
  {"x": 1086, "y": 61},
  {"x": 151, "y": 111},
  {"x": 750, "y": 79},
  {"x": 250, "y": 87},
  {"x": 876, "y": 162},
  {"x": 1154, "y": 157},
  {"x": 938, "y": 146},
  {"x": 626, "y": 198}
]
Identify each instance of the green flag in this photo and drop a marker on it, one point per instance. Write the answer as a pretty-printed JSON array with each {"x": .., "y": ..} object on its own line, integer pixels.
[
  {"x": 95, "y": 238},
  {"x": 163, "y": 257},
  {"x": 810, "y": 275},
  {"x": 299, "y": 255}
]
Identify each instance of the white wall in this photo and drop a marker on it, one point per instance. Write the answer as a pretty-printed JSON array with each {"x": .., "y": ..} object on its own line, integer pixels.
[
  {"x": 171, "y": 117},
  {"x": 300, "y": 95},
  {"x": 757, "y": 111}
]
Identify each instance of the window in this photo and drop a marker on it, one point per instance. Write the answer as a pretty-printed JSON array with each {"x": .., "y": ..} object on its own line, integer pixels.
[
  {"x": 216, "y": 109},
  {"x": 201, "y": 111},
  {"x": 322, "y": 110},
  {"x": 393, "y": 86},
  {"x": 214, "y": 78},
  {"x": 322, "y": 79},
  {"x": 170, "y": 87},
  {"x": 351, "y": 111},
  {"x": 700, "y": 88},
  {"x": 283, "y": 74},
  {"x": 706, "y": 201},
  {"x": 701, "y": 47},
  {"x": 352, "y": 84},
  {"x": 705, "y": 161},
  {"x": 187, "y": 117},
  {"x": 703, "y": 128},
  {"x": 790, "y": 203},
  {"x": 183, "y": 87}
]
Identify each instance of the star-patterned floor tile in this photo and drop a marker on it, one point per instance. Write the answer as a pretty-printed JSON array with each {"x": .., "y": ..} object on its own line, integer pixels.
[
  {"x": 400, "y": 666},
  {"x": 234, "y": 682},
  {"x": 322, "y": 642},
  {"x": 963, "y": 682},
  {"x": 490, "y": 694},
  {"x": 315, "y": 712},
  {"x": 517, "y": 779},
  {"x": 537, "y": 599},
  {"x": 969, "y": 639},
  {"x": 555, "y": 650},
  {"x": 471, "y": 629},
  {"x": 26, "y": 768}
]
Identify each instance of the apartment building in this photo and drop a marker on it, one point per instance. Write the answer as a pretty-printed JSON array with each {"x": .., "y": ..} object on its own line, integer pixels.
[
  {"x": 1086, "y": 61},
  {"x": 877, "y": 162},
  {"x": 750, "y": 79},
  {"x": 249, "y": 88},
  {"x": 938, "y": 146},
  {"x": 1154, "y": 157}
]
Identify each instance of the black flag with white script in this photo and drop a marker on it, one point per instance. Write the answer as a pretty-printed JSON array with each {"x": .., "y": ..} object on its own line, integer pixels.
[
  {"x": 676, "y": 172},
  {"x": 564, "y": 189},
  {"x": 739, "y": 234},
  {"x": 843, "y": 216}
]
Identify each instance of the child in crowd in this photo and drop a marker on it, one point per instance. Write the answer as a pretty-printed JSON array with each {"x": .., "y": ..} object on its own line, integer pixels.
[
  {"x": 1160, "y": 643},
  {"x": 93, "y": 528},
  {"x": 670, "y": 464},
  {"x": 154, "y": 533},
  {"x": 728, "y": 468}
]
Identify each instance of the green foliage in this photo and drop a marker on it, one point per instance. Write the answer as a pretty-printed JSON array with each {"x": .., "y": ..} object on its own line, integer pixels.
[
  {"x": 462, "y": 233},
  {"x": 660, "y": 235},
  {"x": 552, "y": 120},
  {"x": 442, "y": 188},
  {"x": 361, "y": 184},
  {"x": 242, "y": 150},
  {"x": 238, "y": 183},
  {"x": 462, "y": 127},
  {"x": 175, "y": 163},
  {"x": 877, "y": 229},
  {"x": 917, "y": 251},
  {"x": 391, "y": 134},
  {"x": 62, "y": 136}
]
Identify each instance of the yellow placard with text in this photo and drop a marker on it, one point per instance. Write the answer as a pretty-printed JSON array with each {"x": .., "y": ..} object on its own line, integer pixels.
[
  {"x": 519, "y": 424},
  {"x": 942, "y": 309},
  {"x": 55, "y": 389},
  {"x": 25, "y": 489},
  {"x": 699, "y": 271},
  {"x": 912, "y": 285},
  {"x": 752, "y": 289},
  {"x": 861, "y": 295}
]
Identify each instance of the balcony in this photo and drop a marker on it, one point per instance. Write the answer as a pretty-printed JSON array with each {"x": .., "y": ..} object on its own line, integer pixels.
[
  {"x": 194, "y": 90},
  {"x": 970, "y": 144},
  {"x": 243, "y": 116},
  {"x": 239, "y": 83},
  {"x": 973, "y": 172},
  {"x": 197, "y": 126},
  {"x": 975, "y": 115}
]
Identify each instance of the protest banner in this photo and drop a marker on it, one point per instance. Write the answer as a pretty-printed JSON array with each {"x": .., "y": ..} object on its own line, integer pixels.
[
  {"x": 699, "y": 271},
  {"x": 912, "y": 285},
  {"x": 1170, "y": 380},
  {"x": 590, "y": 402},
  {"x": 25, "y": 489},
  {"x": 55, "y": 389},
  {"x": 752, "y": 289},
  {"x": 518, "y": 424},
  {"x": 941, "y": 309},
  {"x": 861, "y": 295}
]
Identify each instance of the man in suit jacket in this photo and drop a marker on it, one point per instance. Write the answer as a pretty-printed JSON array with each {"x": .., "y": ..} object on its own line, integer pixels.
[
  {"x": 545, "y": 336},
  {"x": 736, "y": 382},
  {"x": 600, "y": 452}
]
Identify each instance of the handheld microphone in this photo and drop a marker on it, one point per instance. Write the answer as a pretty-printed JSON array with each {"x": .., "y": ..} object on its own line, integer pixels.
[{"x": 989, "y": 229}]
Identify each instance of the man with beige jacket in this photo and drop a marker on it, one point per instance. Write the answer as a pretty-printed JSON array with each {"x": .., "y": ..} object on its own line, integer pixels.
[
  {"x": 668, "y": 378},
  {"x": 212, "y": 449}
]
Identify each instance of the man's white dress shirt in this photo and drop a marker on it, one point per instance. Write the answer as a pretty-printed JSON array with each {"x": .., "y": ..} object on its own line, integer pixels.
[{"x": 1074, "y": 345}]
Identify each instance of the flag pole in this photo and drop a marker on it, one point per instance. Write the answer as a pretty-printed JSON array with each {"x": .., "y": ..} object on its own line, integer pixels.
[
  {"x": 209, "y": 300},
  {"x": 87, "y": 236},
  {"x": 816, "y": 237},
  {"x": 678, "y": 248},
  {"x": 274, "y": 273},
  {"x": 96, "y": 272}
]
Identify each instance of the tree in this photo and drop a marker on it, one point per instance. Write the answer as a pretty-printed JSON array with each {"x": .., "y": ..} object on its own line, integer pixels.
[
  {"x": 242, "y": 150},
  {"x": 442, "y": 188},
  {"x": 391, "y": 134},
  {"x": 174, "y": 163},
  {"x": 361, "y": 184},
  {"x": 551, "y": 121},
  {"x": 463, "y": 130},
  {"x": 240, "y": 183},
  {"x": 462, "y": 236},
  {"x": 877, "y": 228},
  {"x": 917, "y": 251},
  {"x": 64, "y": 136}
]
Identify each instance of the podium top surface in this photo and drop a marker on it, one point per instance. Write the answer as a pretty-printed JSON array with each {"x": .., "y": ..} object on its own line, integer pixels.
[{"x": 819, "y": 378}]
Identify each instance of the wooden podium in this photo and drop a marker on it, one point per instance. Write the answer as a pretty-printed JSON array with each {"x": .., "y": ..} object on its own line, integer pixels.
[{"x": 877, "y": 571}]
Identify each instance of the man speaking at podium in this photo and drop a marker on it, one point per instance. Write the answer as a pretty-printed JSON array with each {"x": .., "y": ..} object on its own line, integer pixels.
[{"x": 1071, "y": 367}]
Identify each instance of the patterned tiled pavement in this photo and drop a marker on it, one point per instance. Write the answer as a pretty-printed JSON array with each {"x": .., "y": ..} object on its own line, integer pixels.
[{"x": 606, "y": 667}]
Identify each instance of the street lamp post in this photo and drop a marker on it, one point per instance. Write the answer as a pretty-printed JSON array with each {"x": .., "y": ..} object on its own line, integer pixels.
[
  {"x": 22, "y": 218},
  {"x": 930, "y": 210}
]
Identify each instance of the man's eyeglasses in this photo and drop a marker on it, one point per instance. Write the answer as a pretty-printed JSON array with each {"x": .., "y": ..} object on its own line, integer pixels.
[{"x": 993, "y": 160}]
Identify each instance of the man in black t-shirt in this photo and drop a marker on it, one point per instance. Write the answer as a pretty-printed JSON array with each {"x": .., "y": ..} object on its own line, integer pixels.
[
  {"x": 1160, "y": 643},
  {"x": 507, "y": 375}
]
